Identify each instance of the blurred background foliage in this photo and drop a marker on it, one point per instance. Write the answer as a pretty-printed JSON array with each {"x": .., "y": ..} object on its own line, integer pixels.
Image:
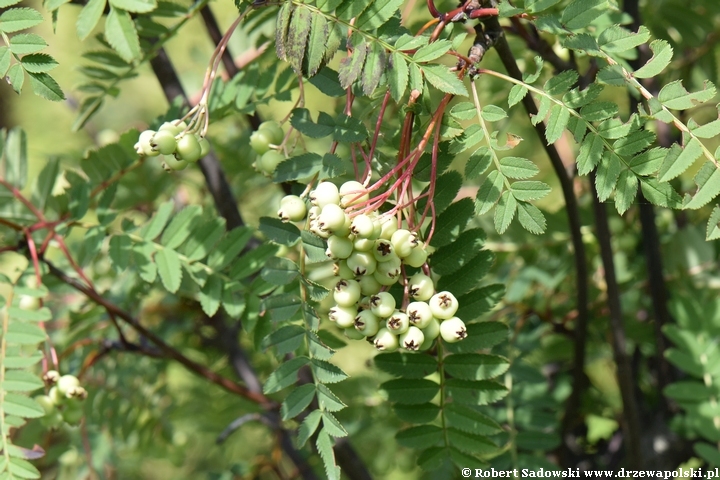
[{"x": 149, "y": 419}]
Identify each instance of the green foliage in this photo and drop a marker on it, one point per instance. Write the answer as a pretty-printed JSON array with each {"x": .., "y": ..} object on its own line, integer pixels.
[
  {"x": 694, "y": 352},
  {"x": 22, "y": 331},
  {"x": 20, "y": 54}
]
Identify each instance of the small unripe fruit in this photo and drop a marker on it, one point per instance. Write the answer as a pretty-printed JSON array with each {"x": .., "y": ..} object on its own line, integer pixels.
[
  {"x": 273, "y": 130},
  {"x": 292, "y": 209},
  {"x": 369, "y": 285},
  {"x": 383, "y": 250},
  {"x": 385, "y": 280},
  {"x": 362, "y": 263},
  {"x": 353, "y": 193},
  {"x": 46, "y": 403},
  {"x": 443, "y": 305},
  {"x": 332, "y": 217},
  {"x": 453, "y": 330},
  {"x": 367, "y": 323},
  {"x": 164, "y": 142},
  {"x": 362, "y": 226},
  {"x": 346, "y": 293},
  {"x": 343, "y": 316},
  {"x": 432, "y": 330},
  {"x": 325, "y": 193},
  {"x": 53, "y": 420},
  {"x": 386, "y": 341},
  {"x": 313, "y": 213},
  {"x": 188, "y": 148},
  {"x": 145, "y": 143},
  {"x": 340, "y": 269},
  {"x": 398, "y": 322},
  {"x": 412, "y": 339},
  {"x": 421, "y": 287},
  {"x": 417, "y": 258},
  {"x": 72, "y": 415},
  {"x": 419, "y": 314},
  {"x": 172, "y": 128},
  {"x": 382, "y": 304},
  {"x": 51, "y": 377},
  {"x": 66, "y": 382},
  {"x": 390, "y": 269},
  {"x": 339, "y": 247},
  {"x": 260, "y": 141},
  {"x": 363, "y": 244},
  {"x": 204, "y": 146},
  {"x": 388, "y": 226},
  {"x": 56, "y": 396},
  {"x": 403, "y": 242},
  {"x": 353, "y": 334},
  {"x": 29, "y": 303},
  {"x": 318, "y": 230},
  {"x": 268, "y": 161},
  {"x": 172, "y": 163}
]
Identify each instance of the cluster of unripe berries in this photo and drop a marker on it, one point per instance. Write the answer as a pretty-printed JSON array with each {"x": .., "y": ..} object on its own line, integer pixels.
[
  {"x": 371, "y": 252},
  {"x": 268, "y": 135},
  {"x": 177, "y": 146},
  {"x": 63, "y": 403}
]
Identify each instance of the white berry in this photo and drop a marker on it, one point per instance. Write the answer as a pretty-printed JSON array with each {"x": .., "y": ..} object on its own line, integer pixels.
[
  {"x": 292, "y": 209},
  {"x": 362, "y": 263},
  {"x": 339, "y": 247},
  {"x": 443, "y": 305},
  {"x": 362, "y": 226},
  {"x": 353, "y": 193},
  {"x": 324, "y": 194},
  {"x": 398, "y": 322},
  {"x": 346, "y": 293},
  {"x": 343, "y": 316},
  {"x": 386, "y": 341},
  {"x": 453, "y": 330},
  {"x": 332, "y": 217},
  {"x": 419, "y": 314},
  {"x": 367, "y": 323},
  {"x": 412, "y": 339},
  {"x": 382, "y": 304},
  {"x": 422, "y": 288}
]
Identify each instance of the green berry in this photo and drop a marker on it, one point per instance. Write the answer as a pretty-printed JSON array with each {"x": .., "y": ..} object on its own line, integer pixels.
[
  {"x": 421, "y": 288},
  {"x": 417, "y": 258},
  {"x": 363, "y": 244},
  {"x": 164, "y": 142},
  {"x": 325, "y": 193},
  {"x": 29, "y": 303},
  {"x": 343, "y": 316},
  {"x": 353, "y": 334},
  {"x": 46, "y": 403},
  {"x": 72, "y": 414},
  {"x": 188, "y": 148},
  {"x": 268, "y": 161},
  {"x": 204, "y": 146},
  {"x": 362, "y": 226},
  {"x": 382, "y": 304},
  {"x": 362, "y": 263},
  {"x": 341, "y": 269},
  {"x": 339, "y": 247},
  {"x": 386, "y": 341},
  {"x": 273, "y": 130},
  {"x": 172, "y": 163},
  {"x": 383, "y": 250},
  {"x": 367, "y": 323},
  {"x": 419, "y": 314},
  {"x": 260, "y": 141},
  {"x": 346, "y": 293},
  {"x": 353, "y": 193},
  {"x": 369, "y": 285},
  {"x": 67, "y": 382},
  {"x": 292, "y": 209},
  {"x": 332, "y": 217}
]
